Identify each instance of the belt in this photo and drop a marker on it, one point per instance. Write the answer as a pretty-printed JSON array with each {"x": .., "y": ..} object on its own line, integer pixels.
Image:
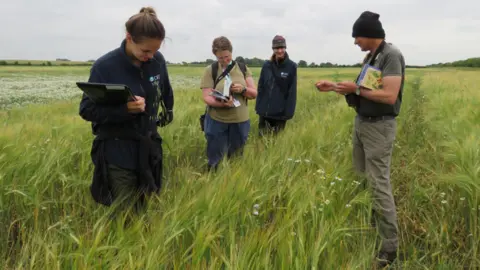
[{"x": 375, "y": 118}]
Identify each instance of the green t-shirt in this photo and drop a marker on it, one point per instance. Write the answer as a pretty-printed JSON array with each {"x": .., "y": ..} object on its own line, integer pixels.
[{"x": 227, "y": 115}]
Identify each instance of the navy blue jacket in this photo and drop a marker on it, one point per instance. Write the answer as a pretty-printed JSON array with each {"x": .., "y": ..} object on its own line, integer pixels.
[
  {"x": 151, "y": 81},
  {"x": 277, "y": 89}
]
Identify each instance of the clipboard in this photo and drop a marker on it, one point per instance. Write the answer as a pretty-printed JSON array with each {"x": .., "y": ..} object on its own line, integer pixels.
[{"x": 107, "y": 93}]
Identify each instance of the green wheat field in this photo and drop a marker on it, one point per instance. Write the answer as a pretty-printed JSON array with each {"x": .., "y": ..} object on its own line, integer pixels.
[{"x": 291, "y": 202}]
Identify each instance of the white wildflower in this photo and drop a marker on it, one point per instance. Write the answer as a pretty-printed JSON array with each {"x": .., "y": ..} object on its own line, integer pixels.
[
  {"x": 255, "y": 212},
  {"x": 442, "y": 194},
  {"x": 348, "y": 205},
  {"x": 338, "y": 178},
  {"x": 462, "y": 199},
  {"x": 444, "y": 201},
  {"x": 332, "y": 183},
  {"x": 256, "y": 206},
  {"x": 327, "y": 202}
]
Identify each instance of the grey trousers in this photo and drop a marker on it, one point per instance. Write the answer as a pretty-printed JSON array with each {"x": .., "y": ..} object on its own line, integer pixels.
[{"x": 372, "y": 151}]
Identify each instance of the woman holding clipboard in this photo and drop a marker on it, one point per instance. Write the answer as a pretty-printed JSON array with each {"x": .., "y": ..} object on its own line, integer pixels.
[
  {"x": 127, "y": 149},
  {"x": 227, "y": 122}
]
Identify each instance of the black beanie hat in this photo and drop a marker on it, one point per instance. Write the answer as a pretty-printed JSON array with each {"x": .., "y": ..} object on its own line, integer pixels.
[{"x": 368, "y": 25}]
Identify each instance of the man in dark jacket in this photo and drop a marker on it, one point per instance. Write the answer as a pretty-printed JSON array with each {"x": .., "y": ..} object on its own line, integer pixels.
[
  {"x": 127, "y": 151},
  {"x": 277, "y": 89}
]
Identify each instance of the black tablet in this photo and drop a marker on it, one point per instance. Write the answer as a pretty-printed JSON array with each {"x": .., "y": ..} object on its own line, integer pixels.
[{"x": 106, "y": 93}]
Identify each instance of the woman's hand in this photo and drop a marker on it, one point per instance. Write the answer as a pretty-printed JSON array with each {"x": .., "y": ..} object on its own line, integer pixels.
[
  {"x": 229, "y": 103},
  {"x": 136, "y": 106},
  {"x": 236, "y": 88}
]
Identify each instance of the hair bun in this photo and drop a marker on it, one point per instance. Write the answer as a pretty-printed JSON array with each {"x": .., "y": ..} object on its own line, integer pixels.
[{"x": 148, "y": 10}]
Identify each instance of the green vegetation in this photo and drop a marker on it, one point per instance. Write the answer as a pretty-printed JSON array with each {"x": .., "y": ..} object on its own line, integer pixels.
[{"x": 289, "y": 203}]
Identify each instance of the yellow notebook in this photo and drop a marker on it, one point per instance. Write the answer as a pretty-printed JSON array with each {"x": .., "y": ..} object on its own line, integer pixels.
[{"x": 370, "y": 78}]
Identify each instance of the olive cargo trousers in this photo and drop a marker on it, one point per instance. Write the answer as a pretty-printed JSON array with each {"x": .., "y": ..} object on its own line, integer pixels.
[{"x": 373, "y": 142}]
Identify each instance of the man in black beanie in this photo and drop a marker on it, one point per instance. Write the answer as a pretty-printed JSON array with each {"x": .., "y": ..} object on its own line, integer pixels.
[{"x": 375, "y": 124}]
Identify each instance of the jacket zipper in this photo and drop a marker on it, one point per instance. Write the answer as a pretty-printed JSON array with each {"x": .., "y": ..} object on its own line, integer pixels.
[{"x": 270, "y": 90}]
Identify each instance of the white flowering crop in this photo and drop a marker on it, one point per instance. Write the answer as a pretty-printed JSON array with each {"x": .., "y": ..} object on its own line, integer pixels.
[{"x": 19, "y": 90}]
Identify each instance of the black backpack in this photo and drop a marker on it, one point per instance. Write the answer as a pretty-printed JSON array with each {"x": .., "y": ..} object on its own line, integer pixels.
[{"x": 242, "y": 67}]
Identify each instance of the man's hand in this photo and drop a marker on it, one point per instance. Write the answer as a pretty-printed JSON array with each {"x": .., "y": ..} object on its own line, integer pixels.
[
  {"x": 345, "y": 88},
  {"x": 325, "y": 86},
  {"x": 136, "y": 106},
  {"x": 236, "y": 88}
]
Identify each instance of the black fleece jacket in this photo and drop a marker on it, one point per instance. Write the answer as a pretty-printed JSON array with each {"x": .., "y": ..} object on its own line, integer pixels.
[
  {"x": 277, "y": 89},
  {"x": 151, "y": 81}
]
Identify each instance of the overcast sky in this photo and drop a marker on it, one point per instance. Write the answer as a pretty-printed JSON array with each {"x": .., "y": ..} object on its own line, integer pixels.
[{"x": 426, "y": 31}]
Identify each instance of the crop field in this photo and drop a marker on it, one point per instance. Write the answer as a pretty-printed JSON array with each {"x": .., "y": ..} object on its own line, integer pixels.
[{"x": 291, "y": 202}]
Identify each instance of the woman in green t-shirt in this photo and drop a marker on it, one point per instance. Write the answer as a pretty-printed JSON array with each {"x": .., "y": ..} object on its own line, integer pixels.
[{"x": 227, "y": 122}]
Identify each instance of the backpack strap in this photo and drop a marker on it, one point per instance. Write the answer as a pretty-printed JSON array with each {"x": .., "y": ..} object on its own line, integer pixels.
[
  {"x": 214, "y": 71},
  {"x": 243, "y": 68},
  {"x": 241, "y": 65}
]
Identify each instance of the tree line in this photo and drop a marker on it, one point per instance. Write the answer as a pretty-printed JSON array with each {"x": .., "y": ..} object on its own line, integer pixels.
[
  {"x": 470, "y": 62},
  {"x": 258, "y": 62},
  {"x": 251, "y": 62}
]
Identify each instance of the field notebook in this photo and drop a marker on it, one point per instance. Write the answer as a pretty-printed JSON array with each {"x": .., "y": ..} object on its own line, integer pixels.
[
  {"x": 370, "y": 78},
  {"x": 219, "y": 96},
  {"x": 107, "y": 94}
]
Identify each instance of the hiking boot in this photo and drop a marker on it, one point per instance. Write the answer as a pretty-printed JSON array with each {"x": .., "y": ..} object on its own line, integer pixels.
[{"x": 385, "y": 259}]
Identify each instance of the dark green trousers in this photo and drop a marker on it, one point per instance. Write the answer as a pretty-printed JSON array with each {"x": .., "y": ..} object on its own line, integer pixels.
[{"x": 124, "y": 187}]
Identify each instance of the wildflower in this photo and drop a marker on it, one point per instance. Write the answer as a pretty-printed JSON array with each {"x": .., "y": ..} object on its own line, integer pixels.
[
  {"x": 348, "y": 205},
  {"x": 332, "y": 183},
  {"x": 327, "y": 202},
  {"x": 444, "y": 201},
  {"x": 289, "y": 159},
  {"x": 297, "y": 161},
  {"x": 307, "y": 160},
  {"x": 255, "y": 212},
  {"x": 462, "y": 199},
  {"x": 442, "y": 194},
  {"x": 338, "y": 178},
  {"x": 256, "y": 206}
]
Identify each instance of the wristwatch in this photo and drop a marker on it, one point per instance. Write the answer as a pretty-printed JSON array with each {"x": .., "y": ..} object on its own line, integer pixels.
[{"x": 243, "y": 90}]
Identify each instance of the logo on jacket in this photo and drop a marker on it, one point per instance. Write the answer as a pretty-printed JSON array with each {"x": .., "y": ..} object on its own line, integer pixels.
[
  {"x": 284, "y": 74},
  {"x": 155, "y": 81},
  {"x": 155, "y": 78}
]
